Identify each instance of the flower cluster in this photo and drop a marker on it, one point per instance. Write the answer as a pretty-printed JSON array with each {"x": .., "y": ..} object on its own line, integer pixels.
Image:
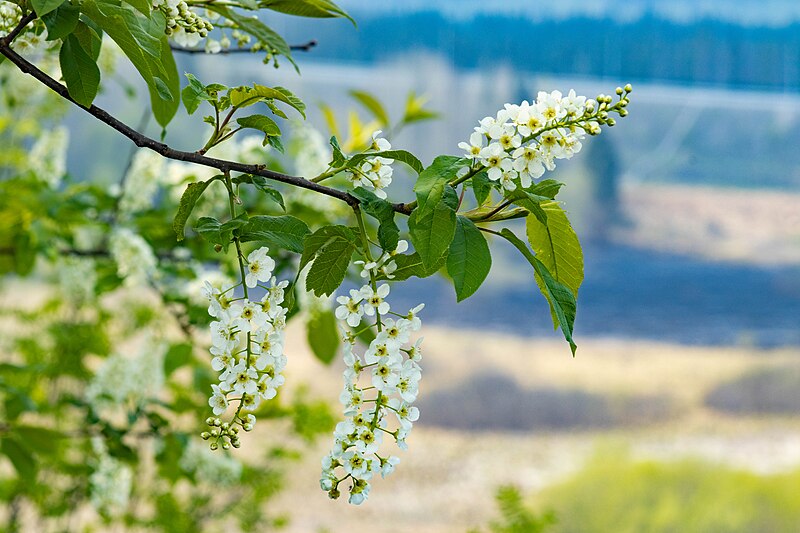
[
  {"x": 522, "y": 141},
  {"x": 209, "y": 467},
  {"x": 128, "y": 381},
  {"x": 247, "y": 340},
  {"x": 186, "y": 27},
  {"x": 380, "y": 387},
  {"x": 110, "y": 483},
  {"x": 141, "y": 182},
  {"x": 136, "y": 262},
  {"x": 375, "y": 173},
  {"x": 10, "y": 15},
  {"x": 48, "y": 156}
]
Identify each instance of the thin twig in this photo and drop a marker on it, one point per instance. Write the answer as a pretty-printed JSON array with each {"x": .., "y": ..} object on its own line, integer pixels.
[
  {"x": 143, "y": 141},
  {"x": 296, "y": 47}
]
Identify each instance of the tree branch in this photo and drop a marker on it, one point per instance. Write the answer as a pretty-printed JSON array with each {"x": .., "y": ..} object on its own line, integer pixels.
[
  {"x": 305, "y": 47},
  {"x": 143, "y": 141}
]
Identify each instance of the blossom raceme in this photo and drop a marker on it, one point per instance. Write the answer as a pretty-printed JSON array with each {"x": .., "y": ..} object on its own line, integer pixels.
[
  {"x": 522, "y": 141},
  {"x": 380, "y": 386},
  {"x": 247, "y": 340}
]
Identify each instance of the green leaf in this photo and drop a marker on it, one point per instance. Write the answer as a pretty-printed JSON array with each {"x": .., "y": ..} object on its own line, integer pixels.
[
  {"x": 547, "y": 188},
  {"x": 562, "y": 301},
  {"x": 307, "y": 8},
  {"x": 217, "y": 233},
  {"x": 189, "y": 198},
  {"x": 432, "y": 224},
  {"x": 162, "y": 89},
  {"x": 469, "y": 259},
  {"x": 320, "y": 238},
  {"x": 276, "y": 143},
  {"x": 20, "y": 457},
  {"x": 38, "y": 439},
  {"x": 80, "y": 72},
  {"x": 261, "y": 123},
  {"x": 256, "y": 28},
  {"x": 178, "y": 355},
  {"x": 329, "y": 267},
  {"x": 398, "y": 155},
  {"x": 143, "y": 41},
  {"x": 383, "y": 212},
  {"x": 194, "y": 93},
  {"x": 260, "y": 183},
  {"x": 415, "y": 110},
  {"x": 339, "y": 158},
  {"x": 481, "y": 186},
  {"x": 411, "y": 265},
  {"x": 322, "y": 333},
  {"x": 529, "y": 201},
  {"x": 62, "y": 21},
  {"x": 90, "y": 39},
  {"x": 245, "y": 96},
  {"x": 372, "y": 105},
  {"x": 142, "y": 6},
  {"x": 285, "y": 231},
  {"x": 43, "y": 7},
  {"x": 557, "y": 246}
]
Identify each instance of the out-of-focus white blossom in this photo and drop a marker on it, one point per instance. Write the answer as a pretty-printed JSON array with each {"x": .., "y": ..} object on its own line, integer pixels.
[
  {"x": 209, "y": 467},
  {"x": 110, "y": 482},
  {"x": 48, "y": 156},
  {"x": 142, "y": 181},
  {"x": 136, "y": 262},
  {"x": 128, "y": 381},
  {"x": 77, "y": 279}
]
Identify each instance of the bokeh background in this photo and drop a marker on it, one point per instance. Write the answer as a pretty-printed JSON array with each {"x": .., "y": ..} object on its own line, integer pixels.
[{"x": 681, "y": 411}]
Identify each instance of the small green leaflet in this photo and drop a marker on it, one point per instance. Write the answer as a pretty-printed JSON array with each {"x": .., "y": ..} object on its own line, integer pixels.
[
  {"x": 217, "y": 233},
  {"x": 194, "y": 93},
  {"x": 383, "y": 212},
  {"x": 339, "y": 158},
  {"x": 260, "y": 183},
  {"x": 80, "y": 72},
  {"x": 331, "y": 248},
  {"x": 189, "y": 198},
  {"x": 261, "y": 123},
  {"x": 307, "y": 8},
  {"x": 284, "y": 231},
  {"x": 562, "y": 301},
  {"x": 548, "y": 188},
  {"x": 469, "y": 259}
]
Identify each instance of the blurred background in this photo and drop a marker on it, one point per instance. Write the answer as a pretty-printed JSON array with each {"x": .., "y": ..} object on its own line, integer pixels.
[{"x": 681, "y": 411}]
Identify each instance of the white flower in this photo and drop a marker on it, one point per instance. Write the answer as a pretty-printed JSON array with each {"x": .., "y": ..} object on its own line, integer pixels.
[
  {"x": 375, "y": 299},
  {"x": 416, "y": 323},
  {"x": 529, "y": 119},
  {"x": 406, "y": 413},
  {"x": 247, "y": 316},
  {"x": 48, "y": 155},
  {"x": 110, "y": 485},
  {"x": 473, "y": 149},
  {"x": 394, "y": 334},
  {"x": 142, "y": 181},
  {"x": 529, "y": 165},
  {"x": 378, "y": 144},
  {"x": 407, "y": 382},
  {"x": 388, "y": 464},
  {"x": 415, "y": 352},
  {"x": 507, "y": 180},
  {"x": 350, "y": 309},
  {"x": 242, "y": 379},
  {"x": 496, "y": 160},
  {"x": 209, "y": 467},
  {"x": 218, "y": 400},
  {"x": 549, "y": 105},
  {"x": 223, "y": 359},
  {"x": 259, "y": 267},
  {"x": 376, "y": 175}
]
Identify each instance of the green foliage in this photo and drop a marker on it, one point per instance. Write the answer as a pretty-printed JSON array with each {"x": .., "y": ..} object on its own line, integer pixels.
[
  {"x": 616, "y": 493},
  {"x": 557, "y": 246},
  {"x": 62, "y": 21},
  {"x": 322, "y": 334},
  {"x": 286, "y": 232},
  {"x": 307, "y": 8},
  {"x": 469, "y": 259},
  {"x": 433, "y": 223},
  {"x": 383, "y": 212},
  {"x": 189, "y": 199},
  {"x": 515, "y": 516},
  {"x": 79, "y": 70}
]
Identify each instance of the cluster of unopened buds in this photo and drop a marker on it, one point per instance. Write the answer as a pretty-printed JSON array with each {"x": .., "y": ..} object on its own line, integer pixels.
[
  {"x": 185, "y": 26},
  {"x": 375, "y": 173},
  {"x": 380, "y": 386},
  {"x": 10, "y": 15},
  {"x": 247, "y": 340},
  {"x": 522, "y": 141}
]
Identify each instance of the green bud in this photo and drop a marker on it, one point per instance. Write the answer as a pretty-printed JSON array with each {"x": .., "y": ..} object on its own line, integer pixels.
[
  {"x": 210, "y": 421},
  {"x": 334, "y": 494},
  {"x": 218, "y": 248},
  {"x": 226, "y": 445},
  {"x": 214, "y": 446},
  {"x": 217, "y": 421},
  {"x": 628, "y": 88},
  {"x": 611, "y": 122},
  {"x": 205, "y": 435},
  {"x": 619, "y": 91},
  {"x": 623, "y": 112}
]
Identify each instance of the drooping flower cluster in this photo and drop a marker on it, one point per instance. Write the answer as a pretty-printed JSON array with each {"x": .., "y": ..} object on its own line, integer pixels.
[
  {"x": 48, "y": 156},
  {"x": 209, "y": 467},
  {"x": 247, "y": 340},
  {"x": 141, "y": 182},
  {"x": 522, "y": 141},
  {"x": 380, "y": 386},
  {"x": 375, "y": 173}
]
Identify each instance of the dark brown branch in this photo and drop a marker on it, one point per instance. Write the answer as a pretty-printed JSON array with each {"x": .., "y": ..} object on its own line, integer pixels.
[
  {"x": 143, "y": 141},
  {"x": 305, "y": 47}
]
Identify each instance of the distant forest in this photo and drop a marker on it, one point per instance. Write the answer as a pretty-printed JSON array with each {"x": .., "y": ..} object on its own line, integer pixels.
[{"x": 705, "y": 52}]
